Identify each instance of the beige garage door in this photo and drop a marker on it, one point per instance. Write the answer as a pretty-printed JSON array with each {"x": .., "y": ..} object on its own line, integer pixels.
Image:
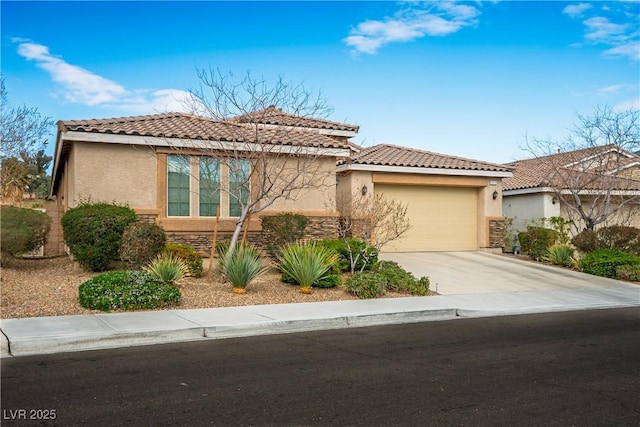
[{"x": 442, "y": 218}]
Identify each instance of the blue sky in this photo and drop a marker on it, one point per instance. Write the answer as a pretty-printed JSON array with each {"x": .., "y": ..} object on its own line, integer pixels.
[{"x": 462, "y": 78}]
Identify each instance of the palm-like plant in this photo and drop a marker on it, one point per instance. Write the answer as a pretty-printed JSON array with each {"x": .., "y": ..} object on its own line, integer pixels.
[
  {"x": 168, "y": 267},
  {"x": 560, "y": 254},
  {"x": 306, "y": 263},
  {"x": 241, "y": 267}
]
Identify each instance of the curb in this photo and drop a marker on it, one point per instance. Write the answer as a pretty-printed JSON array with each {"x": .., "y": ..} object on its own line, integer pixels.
[{"x": 33, "y": 344}]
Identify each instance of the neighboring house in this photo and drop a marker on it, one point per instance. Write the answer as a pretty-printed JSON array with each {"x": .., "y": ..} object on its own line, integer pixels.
[
  {"x": 154, "y": 164},
  {"x": 543, "y": 187},
  {"x": 453, "y": 203}
]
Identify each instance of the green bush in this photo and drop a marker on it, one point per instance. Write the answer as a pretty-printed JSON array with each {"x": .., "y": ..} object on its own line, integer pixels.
[
  {"x": 141, "y": 243},
  {"x": 366, "y": 284},
  {"x": 585, "y": 241},
  {"x": 398, "y": 279},
  {"x": 306, "y": 264},
  {"x": 280, "y": 230},
  {"x": 625, "y": 239},
  {"x": 628, "y": 272},
  {"x": 605, "y": 262},
  {"x": 168, "y": 267},
  {"x": 22, "y": 230},
  {"x": 559, "y": 255},
  {"x": 189, "y": 255},
  {"x": 127, "y": 290},
  {"x": 242, "y": 267},
  {"x": 536, "y": 240},
  {"x": 93, "y": 232},
  {"x": 363, "y": 255}
]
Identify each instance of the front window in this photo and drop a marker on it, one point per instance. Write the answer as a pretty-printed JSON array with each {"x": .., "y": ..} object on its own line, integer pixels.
[
  {"x": 219, "y": 187},
  {"x": 209, "y": 186},
  {"x": 239, "y": 173},
  {"x": 178, "y": 185}
]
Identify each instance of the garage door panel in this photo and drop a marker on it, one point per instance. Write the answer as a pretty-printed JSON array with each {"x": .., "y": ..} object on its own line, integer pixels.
[{"x": 441, "y": 218}]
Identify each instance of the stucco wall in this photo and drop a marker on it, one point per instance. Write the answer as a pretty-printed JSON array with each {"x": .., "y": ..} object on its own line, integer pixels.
[
  {"x": 111, "y": 172},
  {"x": 319, "y": 196},
  {"x": 525, "y": 208}
]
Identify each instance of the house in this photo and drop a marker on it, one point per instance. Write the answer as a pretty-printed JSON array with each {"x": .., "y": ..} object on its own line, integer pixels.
[
  {"x": 453, "y": 203},
  {"x": 602, "y": 178},
  {"x": 170, "y": 168}
]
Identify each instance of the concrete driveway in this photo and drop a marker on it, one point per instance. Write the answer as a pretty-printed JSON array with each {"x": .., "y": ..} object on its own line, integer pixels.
[{"x": 452, "y": 273}]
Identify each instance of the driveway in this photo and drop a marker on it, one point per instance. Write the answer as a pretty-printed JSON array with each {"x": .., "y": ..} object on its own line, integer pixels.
[{"x": 452, "y": 273}]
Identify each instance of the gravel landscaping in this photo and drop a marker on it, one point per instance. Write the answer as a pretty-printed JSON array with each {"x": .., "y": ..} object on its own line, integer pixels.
[{"x": 49, "y": 287}]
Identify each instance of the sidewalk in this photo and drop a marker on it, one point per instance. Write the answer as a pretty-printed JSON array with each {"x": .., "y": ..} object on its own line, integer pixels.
[{"x": 42, "y": 335}]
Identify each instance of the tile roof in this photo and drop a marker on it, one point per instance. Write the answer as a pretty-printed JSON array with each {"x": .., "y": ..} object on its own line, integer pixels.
[
  {"x": 187, "y": 126},
  {"x": 275, "y": 116},
  {"x": 541, "y": 171},
  {"x": 393, "y": 155}
]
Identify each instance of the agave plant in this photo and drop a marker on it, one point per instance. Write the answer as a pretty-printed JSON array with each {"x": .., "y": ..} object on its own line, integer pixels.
[
  {"x": 241, "y": 267},
  {"x": 168, "y": 267},
  {"x": 559, "y": 255},
  {"x": 306, "y": 263}
]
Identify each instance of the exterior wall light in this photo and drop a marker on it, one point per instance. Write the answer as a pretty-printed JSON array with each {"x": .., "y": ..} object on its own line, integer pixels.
[
  {"x": 495, "y": 195},
  {"x": 364, "y": 190},
  {"x": 554, "y": 200}
]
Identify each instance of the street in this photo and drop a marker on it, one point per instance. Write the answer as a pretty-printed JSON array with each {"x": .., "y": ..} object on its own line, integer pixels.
[{"x": 577, "y": 368}]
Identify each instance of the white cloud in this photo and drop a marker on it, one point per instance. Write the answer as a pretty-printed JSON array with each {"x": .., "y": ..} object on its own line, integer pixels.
[
  {"x": 614, "y": 26},
  {"x": 630, "y": 50},
  {"x": 600, "y": 29},
  {"x": 630, "y": 105},
  {"x": 574, "y": 10},
  {"x": 439, "y": 19},
  {"x": 81, "y": 86},
  {"x": 613, "y": 89}
]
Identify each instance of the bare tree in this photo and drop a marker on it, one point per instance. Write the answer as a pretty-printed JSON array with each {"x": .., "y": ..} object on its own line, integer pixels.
[
  {"x": 591, "y": 172},
  {"x": 264, "y": 163},
  {"x": 376, "y": 219},
  {"x": 23, "y": 132}
]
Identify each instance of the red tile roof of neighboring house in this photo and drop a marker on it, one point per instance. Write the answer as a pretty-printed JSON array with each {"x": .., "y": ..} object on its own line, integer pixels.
[
  {"x": 275, "y": 116},
  {"x": 393, "y": 155},
  {"x": 542, "y": 171},
  {"x": 187, "y": 126}
]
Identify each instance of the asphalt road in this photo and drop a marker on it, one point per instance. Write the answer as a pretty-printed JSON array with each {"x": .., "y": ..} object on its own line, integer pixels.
[{"x": 562, "y": 369}]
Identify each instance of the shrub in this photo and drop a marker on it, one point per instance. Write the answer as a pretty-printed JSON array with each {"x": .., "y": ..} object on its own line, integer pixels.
[
  {"x": 604, "y": 262},
  {"x": 141, "y": 243},
  {"x": 242, "y": 267},
  {"x": 585, "y": 241},
  {"x": 306, "y": 264},
  {"x": 189, "y": 255},
  {"x": 280, "y": 230},
  {"x": 127, "y": 290},
  {"x": 93, "y": 232},
  {"x": 625, "y": 239},
  {"x": 360, "y": 253},
  {"x": 535, "y": 241},
  {"x": 168, "y": 267},
  {"x": 628, "y": 272},
  {"x": 22, "y": 230},
  {"x": 366, "y": 284},
  {"x": 399, "y": 279},
  {"x": 560, "y": 254}
]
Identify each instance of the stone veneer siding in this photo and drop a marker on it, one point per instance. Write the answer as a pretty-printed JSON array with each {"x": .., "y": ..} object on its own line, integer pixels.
[
  {"x": 496, "y": 233},
  {"x": 318, "y": 228}
]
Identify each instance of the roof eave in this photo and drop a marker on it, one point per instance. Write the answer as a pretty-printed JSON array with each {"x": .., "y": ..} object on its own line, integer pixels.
[{"x": 423, "y": 170}]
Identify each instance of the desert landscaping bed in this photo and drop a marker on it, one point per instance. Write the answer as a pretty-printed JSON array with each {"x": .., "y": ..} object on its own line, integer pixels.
[{"x": 49, "y": 287}]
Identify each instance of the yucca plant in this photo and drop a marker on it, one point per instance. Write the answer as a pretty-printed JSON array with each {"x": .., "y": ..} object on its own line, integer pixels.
[
  {"x": 168, "y": 267},
  {"x": 242, "y": 267},
  {"x": 306, "y": 263},
  {"x": 559, "y": 255}
]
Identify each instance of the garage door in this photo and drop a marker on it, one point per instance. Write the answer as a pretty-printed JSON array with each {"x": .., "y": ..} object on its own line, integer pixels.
[{"x": 442, "y": 218}]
